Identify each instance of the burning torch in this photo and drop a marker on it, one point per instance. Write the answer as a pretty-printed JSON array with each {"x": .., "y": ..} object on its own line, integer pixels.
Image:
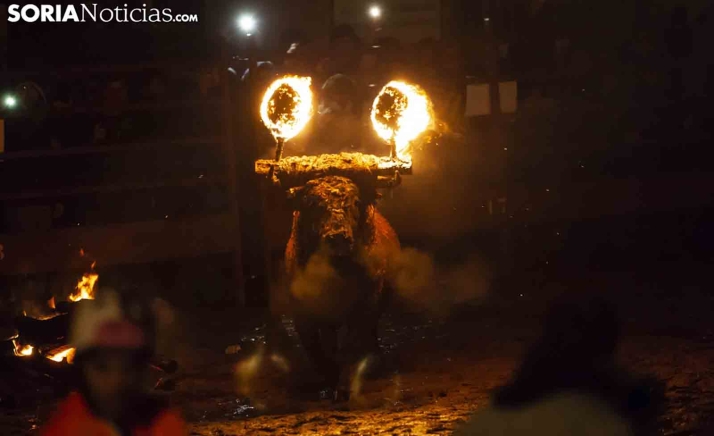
[
  {"x": 400, "y": 113},
  {"x": 286, "y": 109}
]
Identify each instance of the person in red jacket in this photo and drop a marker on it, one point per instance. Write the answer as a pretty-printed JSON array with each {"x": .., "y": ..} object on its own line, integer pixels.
[{"x": 113, "y": 341}]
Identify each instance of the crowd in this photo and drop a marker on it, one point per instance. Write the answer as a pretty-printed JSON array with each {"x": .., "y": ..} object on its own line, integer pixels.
[{"x": 98, "y": 109}]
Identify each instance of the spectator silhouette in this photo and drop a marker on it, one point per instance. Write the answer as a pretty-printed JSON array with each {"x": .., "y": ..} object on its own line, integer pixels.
[
  {"x": 337, "y": 123},
  {"x": 569, "y": 383},
  {"x": 344, "y": 53}
]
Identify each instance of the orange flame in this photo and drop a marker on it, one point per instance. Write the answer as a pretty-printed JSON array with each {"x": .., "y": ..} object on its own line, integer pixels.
[
  {"x": 287, "y": 106},
  {"x": 51, "y": 303},
  {"x": 400, "y": 113},
  {"x": 85, "y": 287},
  {"x": 59, "y": 357},
  {"x": 22, "y": 350}
]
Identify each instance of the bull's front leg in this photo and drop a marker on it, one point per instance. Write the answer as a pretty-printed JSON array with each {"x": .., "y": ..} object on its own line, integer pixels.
[
  {"x": 360, "y": 351},
  {"x": 314, "y": 336}
]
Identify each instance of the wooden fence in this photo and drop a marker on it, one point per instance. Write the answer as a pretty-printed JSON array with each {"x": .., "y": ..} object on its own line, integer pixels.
[{"x": 177, "y": 172}]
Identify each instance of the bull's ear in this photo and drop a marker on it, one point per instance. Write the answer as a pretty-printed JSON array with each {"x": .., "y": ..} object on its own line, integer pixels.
[{"x": 295, "y": 196}]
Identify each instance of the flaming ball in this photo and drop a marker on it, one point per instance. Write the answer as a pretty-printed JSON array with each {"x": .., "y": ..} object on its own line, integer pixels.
[
  {"x": 400, "y": 113},
  {"x": 287, "y": 106}
]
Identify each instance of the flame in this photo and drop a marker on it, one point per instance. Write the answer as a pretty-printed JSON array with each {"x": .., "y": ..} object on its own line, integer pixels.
[
  {"x": 400, "y": 113},
  {"x": 287, "y": 106},
  {"x": 51, "y": 303},
  {"x": 59, "y": 357},
  {"x": 85, "y": 287},
  {"x": 22, "y": 350}
]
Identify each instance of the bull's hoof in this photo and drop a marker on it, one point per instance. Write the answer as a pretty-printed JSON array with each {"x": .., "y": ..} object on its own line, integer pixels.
[
  {"x": 335, "y": 395},
  {"x": 341, "y": 396},
  {"x": 327, "y": 394}
]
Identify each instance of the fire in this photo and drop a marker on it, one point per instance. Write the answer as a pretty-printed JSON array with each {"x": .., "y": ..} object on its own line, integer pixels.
[
  {"x": 59, "y": 357},
  {"x": 400, "y": 113},
  {"x": 85, "y": 287},
  {"x": 22, "y": 350},
  {"x": 51, "y": 303},
  {"x": 287, "y": 106}
]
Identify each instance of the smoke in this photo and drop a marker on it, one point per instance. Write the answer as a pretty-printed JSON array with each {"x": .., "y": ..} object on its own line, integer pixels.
[
  {"x": 414, "y": 276},
  {"x": 314, "y": 286},
  {"x": 421, "y": 283},
  {"x": 449, "y": 191}
]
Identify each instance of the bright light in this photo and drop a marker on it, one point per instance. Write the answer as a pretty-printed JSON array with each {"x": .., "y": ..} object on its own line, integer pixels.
[
  {"x": 10, "y": 101},
  {"x": 375, "y": 11},
  {"x": 400, "y": 114},
  {"x": 287, "y": 106},
  {"x": 247, "y": 24}
]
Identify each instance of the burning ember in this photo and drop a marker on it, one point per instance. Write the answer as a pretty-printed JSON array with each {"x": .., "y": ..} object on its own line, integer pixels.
[
  {"x": 22, "y": 350},
  {"x": 287, "y": 108},
  {"x": 85, "y": 287},
  {"x": 400, "y": 113},
  {"x": 60, "y": 356}
]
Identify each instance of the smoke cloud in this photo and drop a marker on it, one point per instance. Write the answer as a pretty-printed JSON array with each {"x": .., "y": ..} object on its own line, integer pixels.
[
  {"x": 315, "y": 286},
  {"x": 422, "y": 284}
]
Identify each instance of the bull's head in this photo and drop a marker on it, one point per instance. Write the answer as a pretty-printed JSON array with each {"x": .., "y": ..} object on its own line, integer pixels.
[{"x": 331, "y": 215}]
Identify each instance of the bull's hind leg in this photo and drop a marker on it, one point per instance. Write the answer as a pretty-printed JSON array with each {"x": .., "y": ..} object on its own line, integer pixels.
[{"x": 313, "y": 341}]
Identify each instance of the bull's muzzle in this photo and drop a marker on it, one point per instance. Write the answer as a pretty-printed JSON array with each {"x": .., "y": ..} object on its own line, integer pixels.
[{"x": 339, "y": 244}]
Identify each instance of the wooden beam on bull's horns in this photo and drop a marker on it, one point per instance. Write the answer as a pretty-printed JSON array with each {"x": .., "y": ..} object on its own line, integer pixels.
[{"x": 296, "y": 171}]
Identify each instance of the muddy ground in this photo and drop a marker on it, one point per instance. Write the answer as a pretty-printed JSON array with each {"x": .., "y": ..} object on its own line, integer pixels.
[{"x": 438, "y": 371}]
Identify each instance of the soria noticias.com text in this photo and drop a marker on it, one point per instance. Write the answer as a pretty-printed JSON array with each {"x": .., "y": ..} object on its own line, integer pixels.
[{"x": 83, "y": 13}]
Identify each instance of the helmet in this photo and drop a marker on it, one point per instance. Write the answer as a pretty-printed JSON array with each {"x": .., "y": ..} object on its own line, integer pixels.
[{"x": 112, "y": 321}]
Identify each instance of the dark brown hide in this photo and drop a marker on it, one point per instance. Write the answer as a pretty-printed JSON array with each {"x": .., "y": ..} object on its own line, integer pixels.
[
  {"x": 338, "y": 258},
  {"x": 333, "y": 221}
]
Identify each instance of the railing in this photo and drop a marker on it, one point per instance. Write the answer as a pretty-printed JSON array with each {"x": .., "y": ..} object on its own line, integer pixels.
[{"x": 162, "y": 224}]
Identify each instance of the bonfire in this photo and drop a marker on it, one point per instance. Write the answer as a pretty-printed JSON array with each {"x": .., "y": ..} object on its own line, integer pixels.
[{"x": 83, "y": 290}]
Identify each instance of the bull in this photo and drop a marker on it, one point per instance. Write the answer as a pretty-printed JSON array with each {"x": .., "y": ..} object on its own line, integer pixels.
[{"x": 338, "y": 263}]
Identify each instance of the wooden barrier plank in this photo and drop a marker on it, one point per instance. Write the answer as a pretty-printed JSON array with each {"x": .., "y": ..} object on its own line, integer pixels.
[
  {"x": 609, "y": 196},
  {"x": 123, "y": 187},
  {"x": 94, "y": 149},
  {"x": 140, "y": 242},
  {"x": 192, "y": 104},
  {"x": 183, "y": 67}
]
